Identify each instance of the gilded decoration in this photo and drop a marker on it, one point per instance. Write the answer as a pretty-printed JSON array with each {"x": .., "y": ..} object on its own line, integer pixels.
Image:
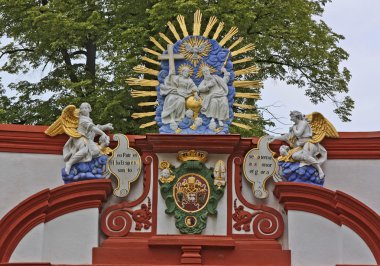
[
  {"x": 194, "y": 49},
  {"x": 193, "y": 194},
  {"x": 198, "y": 88}
]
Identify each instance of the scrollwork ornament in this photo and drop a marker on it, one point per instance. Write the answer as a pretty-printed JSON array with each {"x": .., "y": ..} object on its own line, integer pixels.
[{"x": 266, "y": 223}]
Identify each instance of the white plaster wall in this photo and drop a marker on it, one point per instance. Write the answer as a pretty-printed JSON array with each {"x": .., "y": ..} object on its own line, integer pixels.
[
  {"x": 215, "y": 225},
  {"x": 69, "y": 239},
  {"x": 30, "y": 247},
  {"x": 24, "y": 174},
  {"x": 354, "y": 249},
  {"x": 358, "y": 178},
  {"x": 316, "y": 241}
]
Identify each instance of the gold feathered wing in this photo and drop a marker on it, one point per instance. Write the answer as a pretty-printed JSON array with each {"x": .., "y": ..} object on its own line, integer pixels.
[
  {"x": 67, "y": 123},
  {"x": 321, "y": 127}
]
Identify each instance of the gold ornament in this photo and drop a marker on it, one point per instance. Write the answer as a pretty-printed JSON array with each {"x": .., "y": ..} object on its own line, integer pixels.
[
  {"x": 67, "y": 123},
  {"x": 192, "y": 155}
]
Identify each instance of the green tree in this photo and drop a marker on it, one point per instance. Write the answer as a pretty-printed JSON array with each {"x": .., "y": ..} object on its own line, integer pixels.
[{"x": 87, "y": 48}]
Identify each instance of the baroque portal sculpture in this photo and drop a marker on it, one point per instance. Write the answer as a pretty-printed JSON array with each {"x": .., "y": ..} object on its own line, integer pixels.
[
  {"x": 84, "y": 158},
  {"x": 301, "y": 159},
  {"x": 196, "y": 81}
]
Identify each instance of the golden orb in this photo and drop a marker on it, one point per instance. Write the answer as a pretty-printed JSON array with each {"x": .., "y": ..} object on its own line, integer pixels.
[{"x": 194, "y": 105}]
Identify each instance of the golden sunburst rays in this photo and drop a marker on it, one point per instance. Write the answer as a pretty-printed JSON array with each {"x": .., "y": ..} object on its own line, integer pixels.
[
  {"x": 142, "y": 82},
  {"x": 194, "y": 49},
  {"x": 145, "y": 70},
  {"x": 203, "y": 64},
  {"x": 197, "y": 23},
  {"x": 209, "y": 26},
  {"x": 163, "y": 36},
  {"x": 244, "y": 126},
  {"x": 244, "y": 106},
  {"x": 243, "y": 60},
  {"x": 248, "y": 84},
  {"x": 248, "y": 70},
  {"x": 229, "y": 35}
]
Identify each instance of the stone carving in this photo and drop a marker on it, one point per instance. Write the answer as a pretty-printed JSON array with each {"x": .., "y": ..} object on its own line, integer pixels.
[
  {"x": 259, "y": 165},
  {"x": 125, "y": 165},
  {"x": 199, "y": 99},
  {"x": 81, "y": 147},
  {"x": 220, "y": 174},
  {"x": 267, "y": 223},
  {"x": 202, "y": 53},
  {"x": 117, "y": 220},
  {"x": 214, "y": 91},
  {"x": 176, "y": 89},
  {"x": 304, "y": 151},
  {"x": 190, "y": 192}
]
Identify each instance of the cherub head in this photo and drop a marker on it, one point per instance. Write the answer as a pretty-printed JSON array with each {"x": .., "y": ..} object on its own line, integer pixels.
[
  {"x": 212, "y": 124},
  {"x": 284, "y": 150},
  {"x": 189, "y": 113},
  {"x": 198, "y": 121},
  {"x": 165, "y": 173}
]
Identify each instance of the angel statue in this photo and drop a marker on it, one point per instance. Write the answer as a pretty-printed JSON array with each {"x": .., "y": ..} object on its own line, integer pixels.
[
  {"x": 304, "y": 148},
  {"x": 81, "y": 147}
]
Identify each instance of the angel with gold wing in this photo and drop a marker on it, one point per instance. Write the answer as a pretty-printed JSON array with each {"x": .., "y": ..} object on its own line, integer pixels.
[
  {"x": 78, "y": 125},
  {"x": 303, "y": 139}
]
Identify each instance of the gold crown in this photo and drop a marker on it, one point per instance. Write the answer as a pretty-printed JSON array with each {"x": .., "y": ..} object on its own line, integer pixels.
[
  {"x": 192, "y": 155},
  {"x": 191, "y": 180}
]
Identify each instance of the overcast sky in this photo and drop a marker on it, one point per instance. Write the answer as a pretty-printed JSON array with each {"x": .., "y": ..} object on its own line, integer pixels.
[{"x": 359, "y": 22}]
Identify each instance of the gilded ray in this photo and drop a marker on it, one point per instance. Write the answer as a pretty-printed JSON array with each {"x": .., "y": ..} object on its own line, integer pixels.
[
  {"x": 142, "y": 104},
  {"x": 243, "y": 60},
  {"x": 248, "y": 70},
  {"x": 246, "y": 116},
  {"x": 182, "y": 24},
  {"x": 142, "y": 82},
  {"x": 248, "y": 95},
  {"x": 163, "y": 36},
  {"x": 229, "y": 35},
  {"x": 141, "y": 115},
  {"x": 235, "y": 43},
  {"x": 147, "y": 59},
  {"x": 197, "y": 23},
  {"x": 209, "y": 26},
  {"x": 248, "y": 84},
  {"x": 148, "y": 124},
  {"x": 244, "y": 106},
  {"x": 153, "y": 52},
  {"x": 144, "y": 70},
  {"x": 218, "y": 30},
  {"x": 241, "y": 125},
  {"x": 136, "y": 93},
  {"x": 247, "y": 48},
  {"x": 156, "y": 43},
  {"x": 174, "y": 31}
]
